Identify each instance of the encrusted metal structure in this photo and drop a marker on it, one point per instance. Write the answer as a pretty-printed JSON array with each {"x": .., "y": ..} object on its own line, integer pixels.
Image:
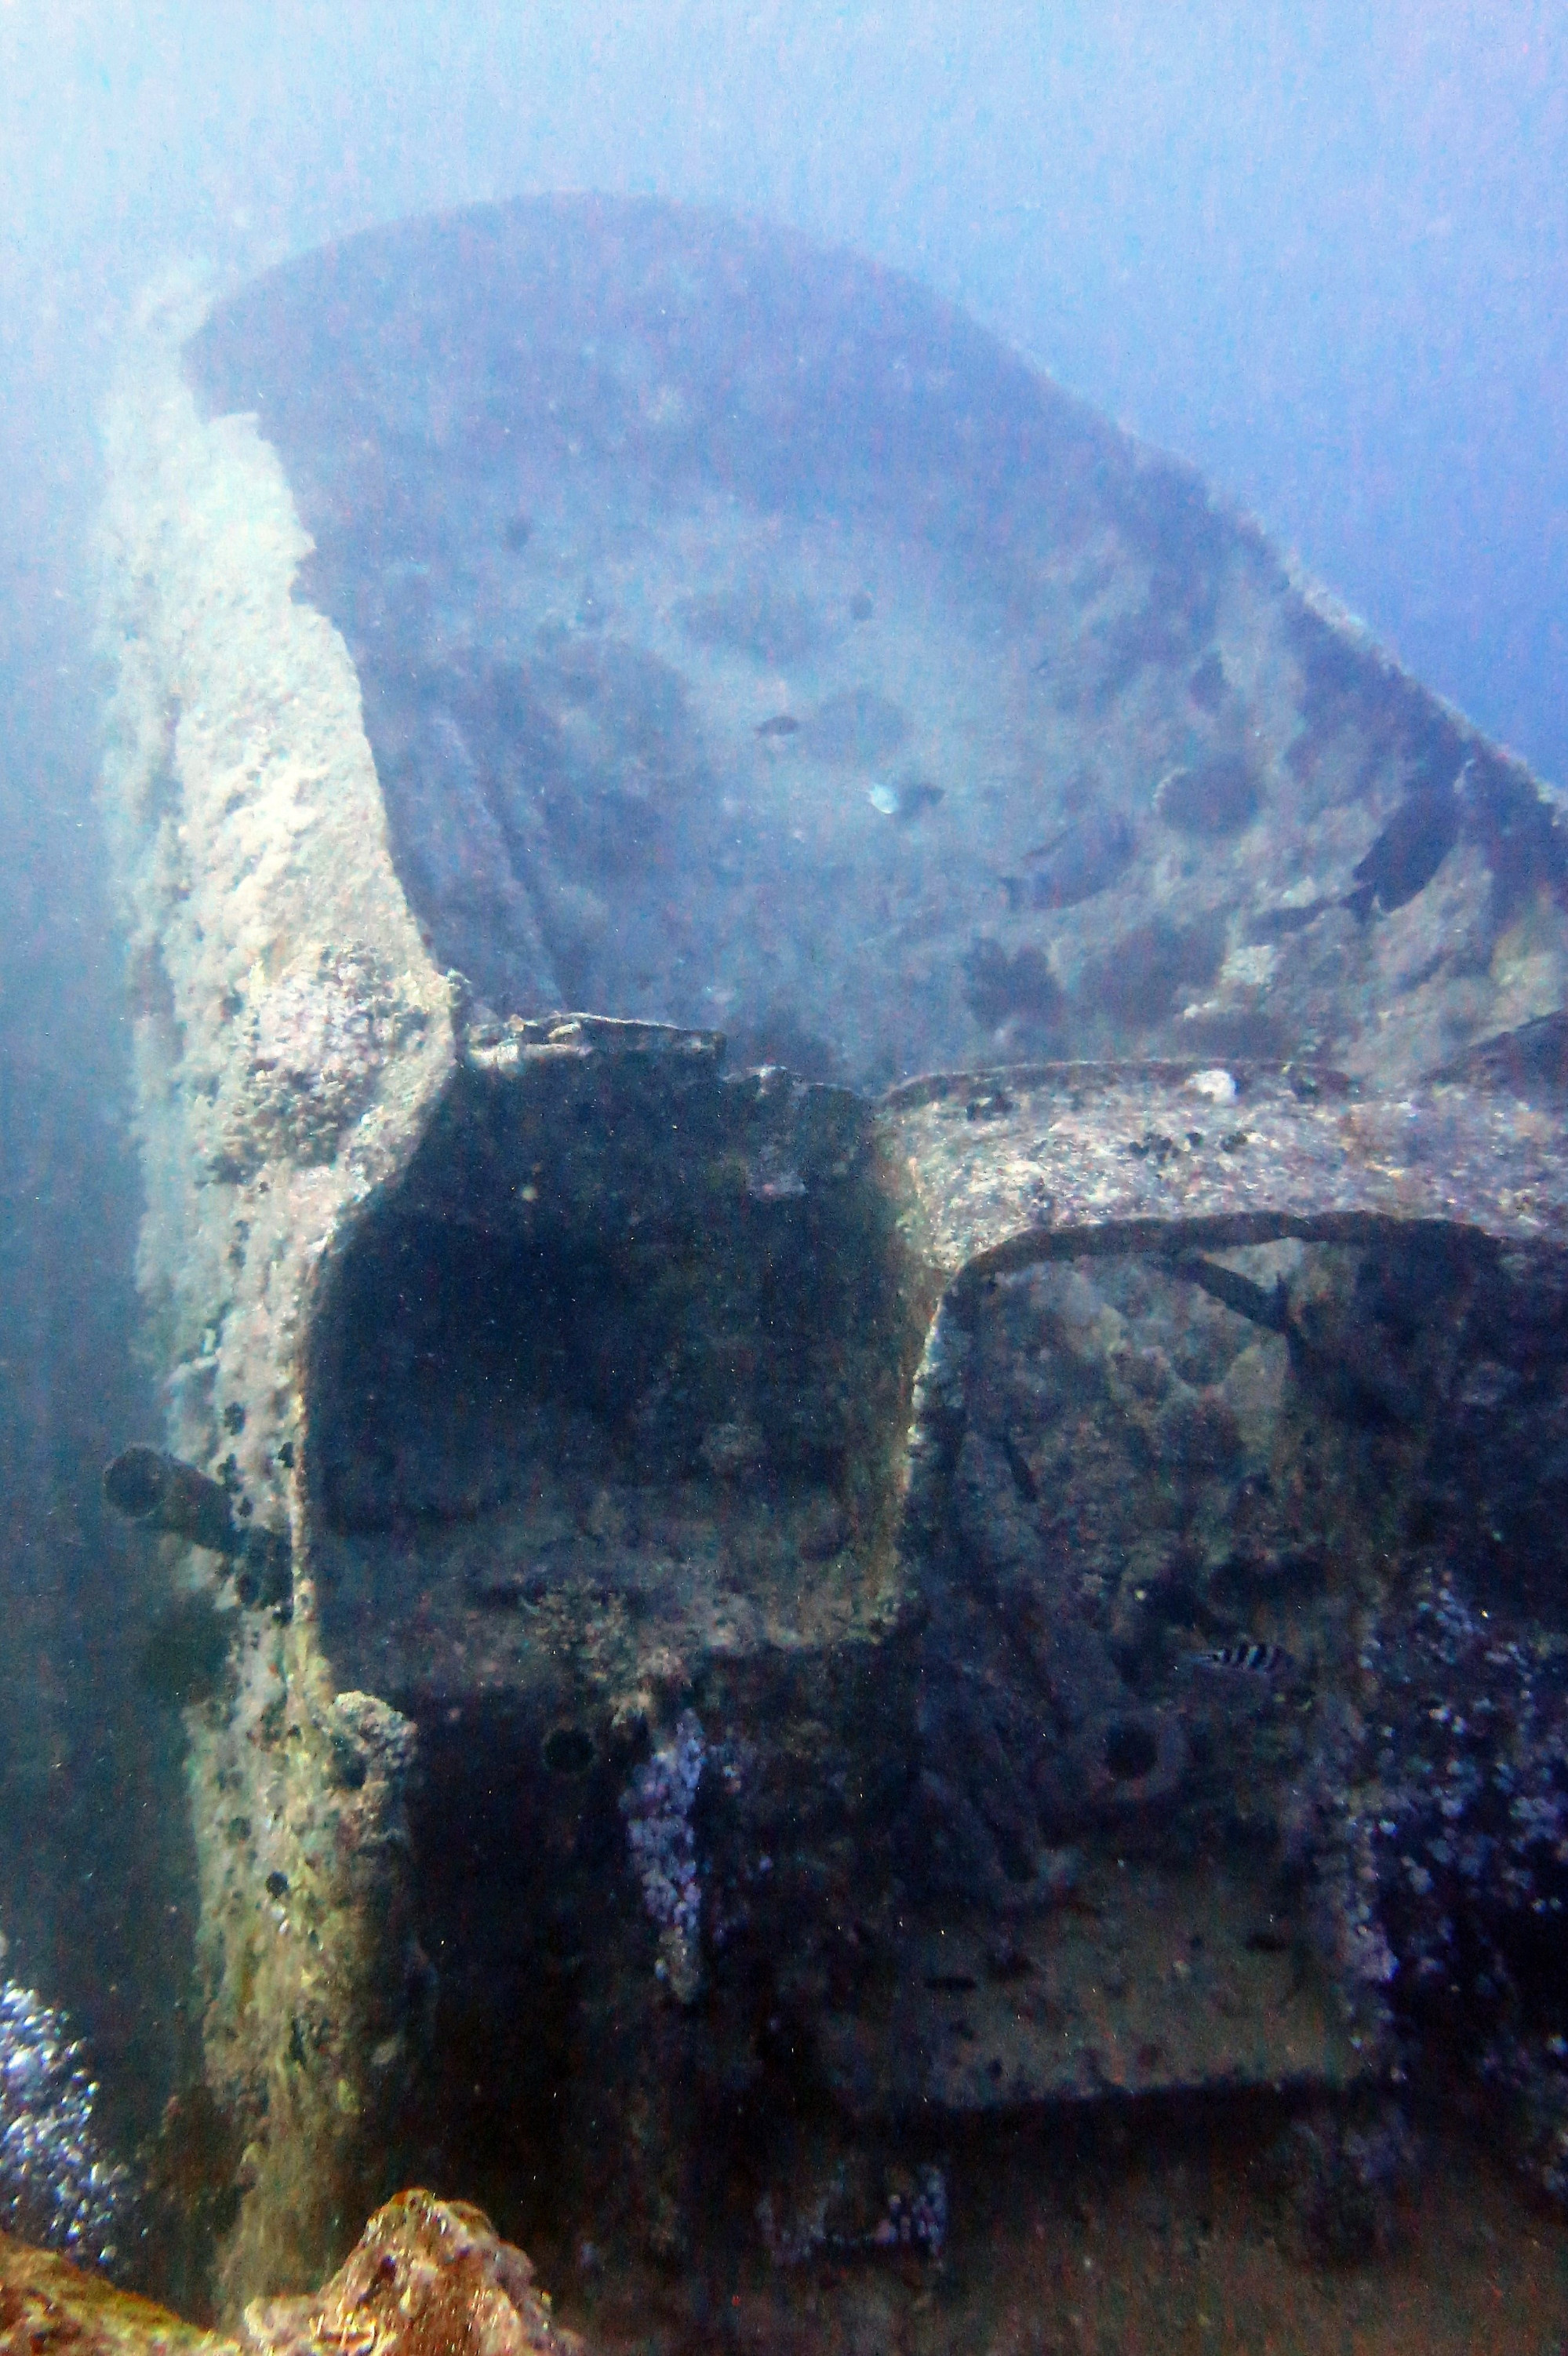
[{"x": 956, "y": 1524}]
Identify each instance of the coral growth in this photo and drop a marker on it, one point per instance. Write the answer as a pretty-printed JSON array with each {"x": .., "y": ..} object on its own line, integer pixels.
[
  {"x": 657, "y": 1808},
  {"x": 1465, "y": 1827},
  {"x": 834, "y": 2222},
  {"x": 316, "y": 1042},
  {"x": 426, "y": 2273}
]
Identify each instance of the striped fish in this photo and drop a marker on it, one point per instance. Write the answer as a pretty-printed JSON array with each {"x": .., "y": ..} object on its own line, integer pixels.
[{"x": 1262, "y": 1661}]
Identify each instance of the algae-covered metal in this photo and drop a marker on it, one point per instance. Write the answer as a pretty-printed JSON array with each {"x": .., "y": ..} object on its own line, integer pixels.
[
  {"x": 1011, "y": 1166},
  {"x": 903, "y": 1559}
]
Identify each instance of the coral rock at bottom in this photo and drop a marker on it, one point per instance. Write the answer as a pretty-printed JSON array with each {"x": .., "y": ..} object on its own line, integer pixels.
[
  {"x": 426, "y": 2275},
  {"x": 47, "y": 2303}
]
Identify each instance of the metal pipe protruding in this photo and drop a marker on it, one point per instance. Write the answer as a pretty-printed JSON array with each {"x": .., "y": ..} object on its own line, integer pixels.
[{"x": 163, "y": 1493}]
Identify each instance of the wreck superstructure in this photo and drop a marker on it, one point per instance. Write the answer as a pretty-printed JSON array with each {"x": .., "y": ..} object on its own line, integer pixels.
[{"x": 608, "y": 702}]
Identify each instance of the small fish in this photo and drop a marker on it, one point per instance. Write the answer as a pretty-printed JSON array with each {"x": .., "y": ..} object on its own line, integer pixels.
[
  {"x": 782, "y": 723},
  {"x": 903, "y": 801},
  {"x": 1245, "y": 1660}
]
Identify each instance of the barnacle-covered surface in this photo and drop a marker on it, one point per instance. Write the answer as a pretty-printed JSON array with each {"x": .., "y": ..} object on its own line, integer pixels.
[
  {"x": 906, "y": 1595},
  {"x": 1464, "y": 1806},
  {"x": 1014, "y": 1165},
  {"x": 288, "y": 1032}
]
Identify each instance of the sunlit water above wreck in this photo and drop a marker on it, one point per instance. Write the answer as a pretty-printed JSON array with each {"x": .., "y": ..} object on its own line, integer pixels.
[{"x": 852, "y": 1247}]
